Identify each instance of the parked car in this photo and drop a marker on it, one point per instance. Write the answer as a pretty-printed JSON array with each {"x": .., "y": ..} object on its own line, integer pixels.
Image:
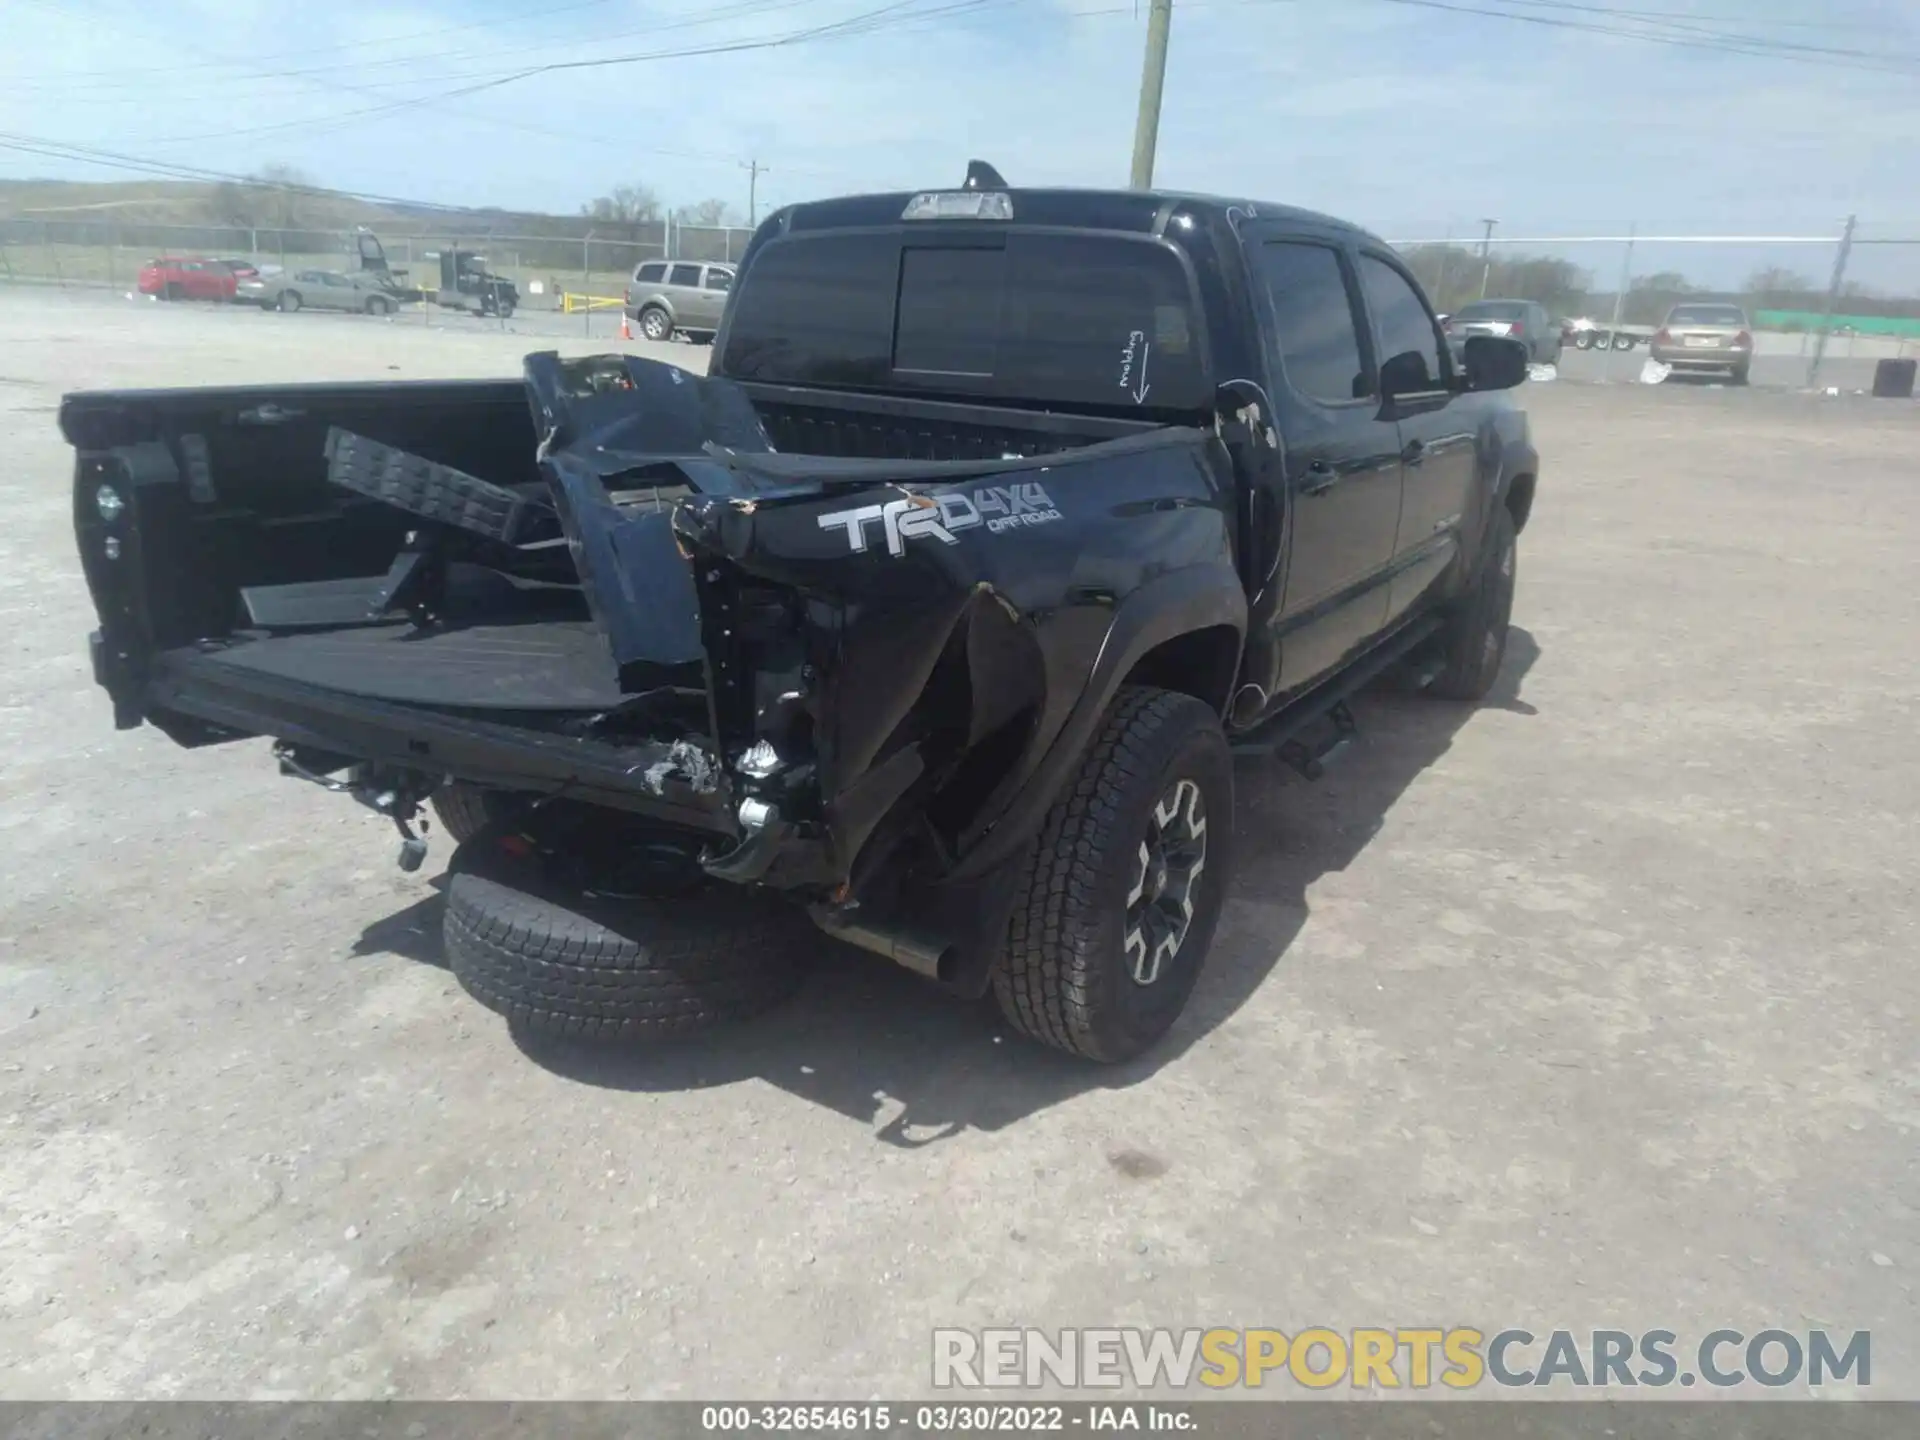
[
  {"x": 322, "y": 290},
  {"x": 1522, "y": 320},
  {"x": 1698, "y": 337},
  {"x": 170, "y": 278},
  {"x": 678, "y": 296},
  {"x": 935, "y": 614}
]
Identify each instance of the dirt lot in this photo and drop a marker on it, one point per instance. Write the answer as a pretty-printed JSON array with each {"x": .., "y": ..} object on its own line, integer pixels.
[{"x": 1595, "y": 1007}]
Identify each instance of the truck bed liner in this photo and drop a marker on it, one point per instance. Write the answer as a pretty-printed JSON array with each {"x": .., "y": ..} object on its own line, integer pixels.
[{"x": 537, "y": 665}]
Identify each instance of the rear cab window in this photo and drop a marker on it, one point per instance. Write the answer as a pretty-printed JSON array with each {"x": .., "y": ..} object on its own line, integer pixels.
[
  {"x": 1707, "y": 315},
  {"x": 1032, "y": 317},
  {"x": 1492, "y": 310}
]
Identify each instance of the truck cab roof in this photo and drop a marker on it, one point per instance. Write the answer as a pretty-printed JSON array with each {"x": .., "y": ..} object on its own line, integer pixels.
[
  {"x": 1121, "y": 301},
  {"x": 1137, "y": 211}
]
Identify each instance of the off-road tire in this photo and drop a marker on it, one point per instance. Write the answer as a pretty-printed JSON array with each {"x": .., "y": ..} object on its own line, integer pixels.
[
  {"x": 289, "y": 301},
  {"x": 1474, "y": 641},
  {"x": 652, "y": 319},
  {"x": 1065, "y": 978},
  {"x": 577, "y": 966}
]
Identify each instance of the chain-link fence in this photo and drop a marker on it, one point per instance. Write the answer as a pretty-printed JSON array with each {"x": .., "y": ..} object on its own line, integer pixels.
[
  {"x": 1851, "y": 294},
  {"x": 110, "y": 253}
]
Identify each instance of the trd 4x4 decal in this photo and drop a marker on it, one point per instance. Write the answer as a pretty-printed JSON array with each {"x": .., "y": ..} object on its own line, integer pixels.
[{"x": 998, "y": 507}]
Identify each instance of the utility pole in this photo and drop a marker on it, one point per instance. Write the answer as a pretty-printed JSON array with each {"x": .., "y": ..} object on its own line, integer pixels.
[
  {"x": 1146, "y": 130},
  {"x": 1833, "y": 300},
  {"x": 1486, "y": 257},
  {"x": 754, "y": 171}
]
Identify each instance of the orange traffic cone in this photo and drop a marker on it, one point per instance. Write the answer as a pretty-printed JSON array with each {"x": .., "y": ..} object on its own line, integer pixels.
[{"x": 626, "y": 330}]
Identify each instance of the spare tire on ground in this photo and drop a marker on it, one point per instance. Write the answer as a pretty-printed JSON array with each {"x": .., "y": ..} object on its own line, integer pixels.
[{"x": 560, "y": 955}]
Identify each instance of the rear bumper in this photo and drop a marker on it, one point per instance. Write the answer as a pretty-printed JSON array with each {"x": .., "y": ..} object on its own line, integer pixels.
[{"x": 1687, "y": 357}]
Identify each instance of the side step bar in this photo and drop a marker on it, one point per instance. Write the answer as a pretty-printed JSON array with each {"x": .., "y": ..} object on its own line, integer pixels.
[{"x": 1288, "y": 733}]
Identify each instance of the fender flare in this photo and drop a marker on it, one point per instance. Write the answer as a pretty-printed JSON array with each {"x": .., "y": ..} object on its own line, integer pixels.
[{"x": 1177, "y": 603}]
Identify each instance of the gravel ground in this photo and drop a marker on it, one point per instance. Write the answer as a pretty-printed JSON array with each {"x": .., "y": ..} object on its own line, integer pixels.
[{"x": 1594, "y": 1007}]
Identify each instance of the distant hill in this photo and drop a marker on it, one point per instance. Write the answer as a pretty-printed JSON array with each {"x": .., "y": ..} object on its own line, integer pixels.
[
  {"x": 135, "y": 203},
  {"x": 53, "y": 217}
]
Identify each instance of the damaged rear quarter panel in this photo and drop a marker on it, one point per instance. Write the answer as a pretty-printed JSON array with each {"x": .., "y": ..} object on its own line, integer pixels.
[{"x": 1012, "y": 577}]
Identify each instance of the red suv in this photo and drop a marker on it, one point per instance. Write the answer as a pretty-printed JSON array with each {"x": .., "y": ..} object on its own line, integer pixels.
[{"x": 187, "y": 279}]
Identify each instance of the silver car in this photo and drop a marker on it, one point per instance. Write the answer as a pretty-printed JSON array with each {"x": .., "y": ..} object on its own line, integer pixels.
[
  {"x": 1524, "y": 320},
  {"x": 1697, "y": 336},
  {"x": 669, "y": 296},
  {"x": 319, "y": 290}
]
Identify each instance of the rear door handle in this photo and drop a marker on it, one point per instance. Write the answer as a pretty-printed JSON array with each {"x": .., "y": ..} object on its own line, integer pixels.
[
  {"x": 1321, "y": 477},
  {"x": 1415, "y": 452}
]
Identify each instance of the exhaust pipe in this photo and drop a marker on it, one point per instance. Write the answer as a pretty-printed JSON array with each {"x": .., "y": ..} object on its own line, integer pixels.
[{"x": 926, "y": 955}]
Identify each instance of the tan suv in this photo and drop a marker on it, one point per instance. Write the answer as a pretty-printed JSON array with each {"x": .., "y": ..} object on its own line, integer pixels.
[{"x": 670, "y": 297}]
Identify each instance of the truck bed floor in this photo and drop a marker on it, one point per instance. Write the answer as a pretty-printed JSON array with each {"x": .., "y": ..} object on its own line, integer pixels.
[{"x": 539, "y": 665}]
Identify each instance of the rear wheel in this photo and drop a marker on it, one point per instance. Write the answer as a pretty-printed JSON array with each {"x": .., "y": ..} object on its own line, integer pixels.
[
  {"x": 172, "y": 292},
  {"x": 1623, "y": 342},
  {"x": 1113, "y": 918},
  {"x": 1474, "y": 642},
  {"x": 289, "y": 301},
  {"x": 379, "y": 305},
  {"x": 656, "y": 324}
]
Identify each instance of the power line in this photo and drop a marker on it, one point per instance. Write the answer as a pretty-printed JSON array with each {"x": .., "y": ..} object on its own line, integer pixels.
[
  {"x": 141, "y": 79},
  {"x": 310, "y": 50},
  {"x": 735, "y": 11},
  {"x": 864, "y": 23},
  {"x": 58, "y": 149},
  {"x": 1724, "y": 43}
]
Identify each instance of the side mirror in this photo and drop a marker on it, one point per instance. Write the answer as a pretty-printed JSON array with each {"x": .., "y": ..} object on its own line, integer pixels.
[
  {"x": 1405, "y": 374},
  {"x": 1493, "y": 362}
]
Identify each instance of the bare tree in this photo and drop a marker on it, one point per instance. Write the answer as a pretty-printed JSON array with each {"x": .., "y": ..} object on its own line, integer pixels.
[
  {"x": 1451, "y": 275},
  {"x": 1777, "y": 285},
  {"x": 710, "y": 212},
  {"x": 627, "y": 205},
  {"x": 268, "y": 197}
]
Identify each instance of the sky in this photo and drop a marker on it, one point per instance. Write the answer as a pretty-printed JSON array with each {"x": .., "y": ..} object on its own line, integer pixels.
[{"x": 1416, "y": 118}]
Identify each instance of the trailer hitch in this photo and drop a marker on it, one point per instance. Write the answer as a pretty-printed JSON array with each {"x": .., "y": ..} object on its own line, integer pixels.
[{"x": 394, "y": 793}]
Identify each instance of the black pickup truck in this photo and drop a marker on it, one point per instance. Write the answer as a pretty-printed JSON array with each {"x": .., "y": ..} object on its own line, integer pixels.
[{"x": 936, "y": 612}]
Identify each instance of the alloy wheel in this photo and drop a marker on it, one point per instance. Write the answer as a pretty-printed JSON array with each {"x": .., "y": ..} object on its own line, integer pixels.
[{"x": 1172, "y": 855}]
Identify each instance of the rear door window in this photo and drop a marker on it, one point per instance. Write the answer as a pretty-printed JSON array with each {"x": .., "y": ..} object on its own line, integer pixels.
[
  {"x": 688, "y": 275},
  {"x": 1314, "y": 320}
]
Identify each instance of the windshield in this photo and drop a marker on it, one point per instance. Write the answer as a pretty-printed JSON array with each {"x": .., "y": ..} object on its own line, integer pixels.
[
  {"x": 1707, "y": 315},
  {"x": 1084, "y": 320}
]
